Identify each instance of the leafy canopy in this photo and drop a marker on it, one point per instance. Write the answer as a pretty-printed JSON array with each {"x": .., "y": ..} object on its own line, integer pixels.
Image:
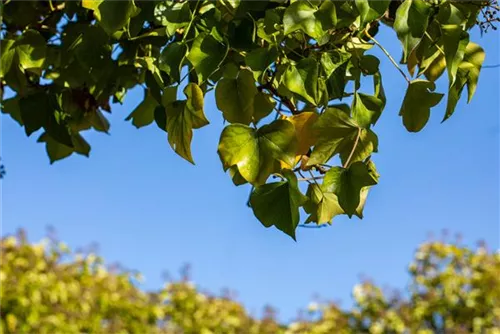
[
  {"x": 47, "y": 288},
  {"x": 294, "y": 80}
]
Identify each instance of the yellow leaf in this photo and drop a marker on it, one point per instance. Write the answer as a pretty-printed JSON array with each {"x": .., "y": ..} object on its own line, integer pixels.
[{"x": 303, "y": 123}]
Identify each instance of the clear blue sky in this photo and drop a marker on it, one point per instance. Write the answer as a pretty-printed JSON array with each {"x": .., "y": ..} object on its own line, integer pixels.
[{"x": 152, "y": 211}]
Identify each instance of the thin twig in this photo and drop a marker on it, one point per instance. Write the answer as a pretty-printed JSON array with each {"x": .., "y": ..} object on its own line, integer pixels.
[
  {"x": 314, "y": 179},
  {"x": 389, "y": 56},
  {"x": 303, "y": 178},
  {"x": 308, "y": 179}
]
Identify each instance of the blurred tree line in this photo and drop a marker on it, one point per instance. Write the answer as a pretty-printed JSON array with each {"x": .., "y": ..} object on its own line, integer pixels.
[{"x": 47, "y": 288}]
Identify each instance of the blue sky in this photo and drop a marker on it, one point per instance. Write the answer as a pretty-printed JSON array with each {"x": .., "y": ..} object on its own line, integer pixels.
[{"x": 152, "y": 211}]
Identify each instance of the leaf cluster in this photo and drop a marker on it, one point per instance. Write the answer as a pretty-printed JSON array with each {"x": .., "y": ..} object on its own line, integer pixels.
[{"x": 294, "y": 80}]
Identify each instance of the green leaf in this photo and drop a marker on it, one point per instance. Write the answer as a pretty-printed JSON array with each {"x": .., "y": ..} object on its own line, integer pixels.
[
  {"x": 58, "y": 151},
  {"x": 260, "y": 59},
  {"x": 256, "y": 152},
  {"x": 182, "y": 117},
  {"x": 55, "y": 150},
  {"x": 194, "y": 104},
  {"x": 206, "y": 55},
  {"x": 347, "y": 184},
  {"x": 417, "y": 104},
  {"x": 302, "y": 80},
  {"x": 112, "y": 15},
  {"x": 369, "y": 64},
  {"x": 99, "y": 122},
  {"x": 173, "y": 15},
  {"x": 263, "y": 105},
  {"x": 322, "y": 206},
  {"x": 31, "y": 49},
  {"x": 179, "y": 128},
  {"x": 455, "y": 41},
  {"x": 143, "y": 114},
  {"x": 412, "y": 18},
  {"x": 235, "y": 97},
  {"x": 467, "y": 74},
  {"x": 378, "y": 89},
  {"x": 26, "y": 53},
  {"x": 314, "y": 21},
  {"x": 337, "y": 133},
  {"x": 278, "y": 204},
  {"x": 471, "y": 67},
  {"x": 371, "y": 10},
  {"x": 161, "y": 118},
  {"x": 235, "y": 175},
  {"x": 11, "y": 107},
  {"x": 171, "y": 59},
  {"x": 366, "y": 109},
  {"x": 7, "y": 55},
  {"x": 334, "y": 65}
]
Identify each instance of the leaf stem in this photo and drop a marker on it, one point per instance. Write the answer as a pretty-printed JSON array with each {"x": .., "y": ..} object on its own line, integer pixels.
[
  {"x": 353, "y": 148},
  {"x": 191, "y": 22},
  {"x": 389, "y": 56},
  {"x": 303, "y": 178},
  {"x": 314, "y": 179}
]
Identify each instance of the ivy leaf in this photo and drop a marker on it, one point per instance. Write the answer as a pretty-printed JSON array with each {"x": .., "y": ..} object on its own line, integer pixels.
[
  {"x": 455, "y": 41},
  {"x": 144, "y": 113},
  {"x": 321, "y": 206},
  {"x": 314, "y": 21},
  {"x": 347, "y": 184},
  {"x": 417, "y": 104},
  {"x": 337, "y": 133},
  {"x": 302, "y": 79},
  {"x": 412, "y": 18},
  {"x": 112, "y": 15},
  {"x": 371, "y": 10},
  {"x": 278, "y": 204},
  {"x": 256, "y": 152},
  {"x": 206, "y": 55},
  {"x": 235, "y": 97},
  {"x": 171, "y": 59},
  {"x": 366, "y": 109}
]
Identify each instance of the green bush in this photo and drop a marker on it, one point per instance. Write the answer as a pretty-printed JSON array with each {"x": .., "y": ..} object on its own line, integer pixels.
[{"x": 46, "y": 288}]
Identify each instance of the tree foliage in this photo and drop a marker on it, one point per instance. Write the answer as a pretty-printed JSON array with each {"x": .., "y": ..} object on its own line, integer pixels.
[
  {"x": 295, "y": 80},
  {"x": 46, "y": 288}
]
